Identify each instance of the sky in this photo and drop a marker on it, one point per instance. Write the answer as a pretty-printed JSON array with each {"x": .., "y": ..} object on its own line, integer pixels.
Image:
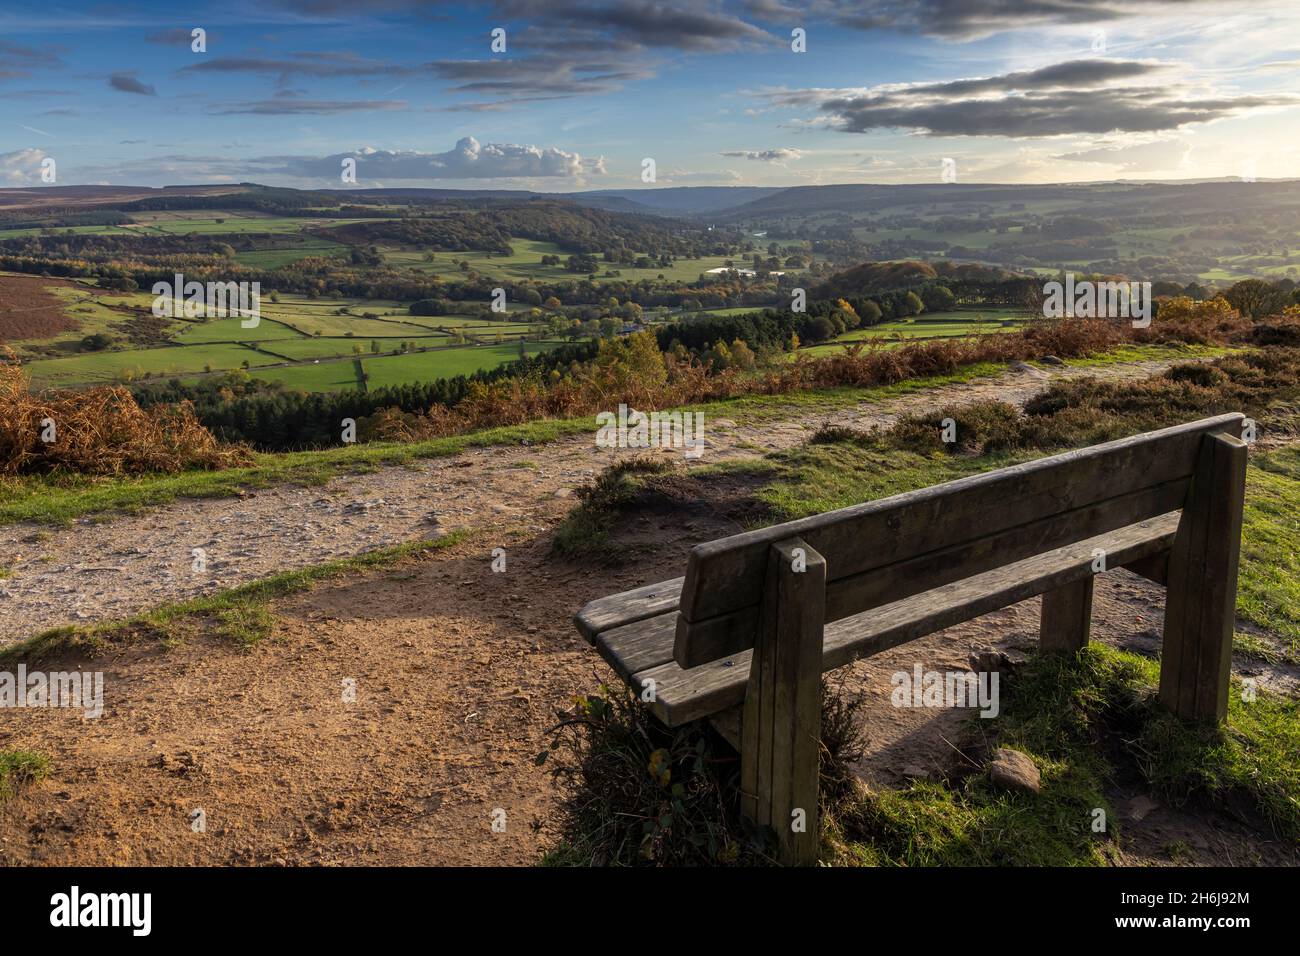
[{"x": 581, "y": 94}]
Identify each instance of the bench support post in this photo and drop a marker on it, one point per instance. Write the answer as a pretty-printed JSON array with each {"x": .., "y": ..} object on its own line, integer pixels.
[
  {"x": 781, "y": 727},
  {"x": 1200, "y": 607},
  {"x": 1067, "y": 617}
]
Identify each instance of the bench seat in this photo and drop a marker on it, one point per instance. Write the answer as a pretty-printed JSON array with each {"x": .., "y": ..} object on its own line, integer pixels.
[{"x": 635, "y": 631}]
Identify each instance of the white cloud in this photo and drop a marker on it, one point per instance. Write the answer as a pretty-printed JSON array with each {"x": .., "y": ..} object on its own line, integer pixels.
[
  {"x": 21, "y": 166},
  {"x": 469, "y": 159},
  {"x": 780, "y": 156}
]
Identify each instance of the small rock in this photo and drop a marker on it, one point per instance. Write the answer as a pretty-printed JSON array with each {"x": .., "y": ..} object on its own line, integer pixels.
[
  {"x": 1051, "y": 360},
  {"x": 1013, "y": 770},
  {"x": 1140, "y": 806},
  {"x": 1027, "y": 369},
  {"x": 987, "y": 661}
]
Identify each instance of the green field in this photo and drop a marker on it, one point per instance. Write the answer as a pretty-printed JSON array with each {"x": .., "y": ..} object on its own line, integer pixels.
[
  {"x": 325, "y": 377},
  {"x": 316, "y": 333},
  {"x": 444, "y": 363},
  {"x": 232, "y": 330},
  {"x": 116, "y": 366},
  {"x": 939, "y": 325},
  {"x": 282, "y": 256},
  {"x": 301, "y": 349},
  {"x": 526, "y": 263},
  {"x": 235, "y": 225}
]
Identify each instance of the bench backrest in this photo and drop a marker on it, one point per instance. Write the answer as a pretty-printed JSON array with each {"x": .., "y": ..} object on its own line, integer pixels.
[{"x": 886, "y": 550}]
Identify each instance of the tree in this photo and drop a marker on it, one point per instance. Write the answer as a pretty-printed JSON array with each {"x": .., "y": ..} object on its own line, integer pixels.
[
  {"x": 742, "y": 356},
  {"x": 869, "y": 312},
  {"x": 1256, "y": 298},
  {"x": 912, "y": 304},
  {"x": 938, "y": 298},
  {"x": 817, "y": 328},
  {"x": 847, "y": 314}
]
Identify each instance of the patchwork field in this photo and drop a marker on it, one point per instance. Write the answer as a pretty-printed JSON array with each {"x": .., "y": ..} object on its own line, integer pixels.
[
  {"x": 309, "y": 344},
  {"x": 526, "y": 263},
  {"x": 940, "y": 325}
]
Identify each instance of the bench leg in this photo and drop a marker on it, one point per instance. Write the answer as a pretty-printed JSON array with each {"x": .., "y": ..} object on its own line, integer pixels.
[
  {"x": 781, "y": 727},
  {"x": 1201, "y": 603},
  {"x": 1067, "y": 617}
]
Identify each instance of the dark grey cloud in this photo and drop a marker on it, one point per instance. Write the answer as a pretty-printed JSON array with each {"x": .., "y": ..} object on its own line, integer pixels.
[
  {"x": 178, "y": 36},
  {"x": 1085, "y": 96},
  {"x": 313, "y": 64},
  {"x": 127, "y": 83},
  {"x": 1070, "y": 74},
  {"x": 17, "y": 60},
  {"x": 561, "y": 48},
  {"x": 675, "y": 25},
  {"x": 534, "y": 77},
  {"x": 972, "y": 19},
  {"x": 292, "y": 106}
]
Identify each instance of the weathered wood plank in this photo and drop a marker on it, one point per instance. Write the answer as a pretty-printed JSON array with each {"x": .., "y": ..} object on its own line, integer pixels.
[
  {"x": 637, "y": 646},
  {"x": 1067, "y": 617},
  {"x": 1154, "y": 568},
  {"x": 726, "y": 576},
  {"x": 616, "y": 610},
  {"x": 1200, "y": 609},
  {"x": 648, "y": 643},
  {"x": 702, "y": 641},
  {"x": 781, "y": 727},
  {"x": 727, "y": 724},
  {"x": 683, "y": 695}
]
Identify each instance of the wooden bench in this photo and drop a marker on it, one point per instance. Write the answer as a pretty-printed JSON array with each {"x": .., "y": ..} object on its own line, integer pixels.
[{"x": 759, "y": 616}]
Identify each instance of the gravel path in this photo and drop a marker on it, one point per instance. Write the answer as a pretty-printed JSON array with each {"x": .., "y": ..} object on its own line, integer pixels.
[{"x": 100, "y": 569}]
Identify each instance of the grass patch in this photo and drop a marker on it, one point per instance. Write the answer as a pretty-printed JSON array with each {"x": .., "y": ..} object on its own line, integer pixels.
[
  {"x": 637, "y": 793},
  {"x": 19, "y": 767},
  {"x": 1087, "y": 721},
  {"x": 1268, "y": 588},
  {"x": 585, "y": 531},
  {"x": 841, "y": 466},
  {"x": 245, "y": 624},
  {"x": 239, "y": 614}
]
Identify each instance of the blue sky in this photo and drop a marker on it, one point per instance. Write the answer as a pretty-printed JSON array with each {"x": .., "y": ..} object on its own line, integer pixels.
[{"x": 1010, "y": 90}]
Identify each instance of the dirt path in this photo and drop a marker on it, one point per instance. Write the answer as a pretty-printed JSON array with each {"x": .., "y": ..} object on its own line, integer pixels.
[
  {"x": 99, "y": 569},
  {"x": 393, "y": 716},
  {"x": 458, "y": 673}
]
